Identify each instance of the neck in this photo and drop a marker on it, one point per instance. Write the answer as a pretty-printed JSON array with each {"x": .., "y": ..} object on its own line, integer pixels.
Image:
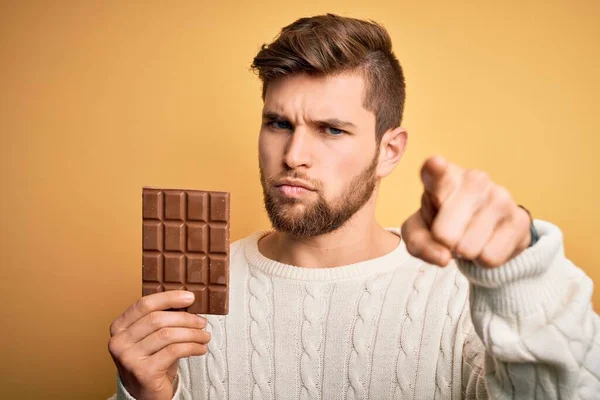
[{"x": 361, "y": 238}]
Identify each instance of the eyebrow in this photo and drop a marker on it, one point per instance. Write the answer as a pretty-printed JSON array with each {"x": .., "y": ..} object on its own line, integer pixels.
[{"x": 333, "y": 122}]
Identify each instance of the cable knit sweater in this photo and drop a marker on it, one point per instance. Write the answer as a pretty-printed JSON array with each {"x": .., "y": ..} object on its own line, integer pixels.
[{"x": 396, "y": 327}]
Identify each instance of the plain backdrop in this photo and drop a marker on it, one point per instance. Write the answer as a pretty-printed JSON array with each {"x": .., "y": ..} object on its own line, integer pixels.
[{"x": 100, "y": 98}]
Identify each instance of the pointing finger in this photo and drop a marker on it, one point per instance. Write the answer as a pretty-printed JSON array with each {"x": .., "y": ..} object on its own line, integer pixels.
[
  {"x": 458, "y": 210},
  {"x": 440, "y": 178}
]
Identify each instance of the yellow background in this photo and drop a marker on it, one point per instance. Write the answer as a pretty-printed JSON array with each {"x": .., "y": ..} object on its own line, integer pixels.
[{"x": 98, "y": 99}]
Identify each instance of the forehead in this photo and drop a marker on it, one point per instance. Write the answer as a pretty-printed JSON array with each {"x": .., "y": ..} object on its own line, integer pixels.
[{"x": 339, "y": 96}]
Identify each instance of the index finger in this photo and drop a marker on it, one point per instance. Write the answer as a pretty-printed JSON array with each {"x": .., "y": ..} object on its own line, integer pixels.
[
  {"x": 147, "y": 304},
  {"x": 439, "y": 178}
]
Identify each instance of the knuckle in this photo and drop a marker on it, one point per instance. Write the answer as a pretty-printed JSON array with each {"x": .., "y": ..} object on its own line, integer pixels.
[
  {"x": 470, "y": 174},
  {"x": 175, "y": 349},
  {"x": 445, "y": 237},
  {"x": 113, "y": 328},
  {"x": 165, "y": 334},
  {"x": 502, "y": 196},
  {"x": 480, "y": 180},
  {"x": 192, "y": 320},
  {"x": 413, "y": 245},
  {"x": 467, "y": 250},
  {"x": 155, "y": 320},
  {"x": 455, "y": 179},
  {"x": 477, "y": 175},
  {"x": 143, "y": 305},
  {"x": 490, "y": 259},
  {"x": 464, "y": 250},
  {"x": 483, "y": 177},
  {"x": 113, "y": 347}
]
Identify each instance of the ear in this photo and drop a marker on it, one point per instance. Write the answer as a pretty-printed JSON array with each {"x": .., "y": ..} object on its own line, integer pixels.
[{"x": 391, "y": 150}]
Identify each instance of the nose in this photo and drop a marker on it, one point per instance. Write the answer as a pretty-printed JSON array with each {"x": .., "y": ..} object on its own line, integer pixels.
[{"x": 298, "y": 153}]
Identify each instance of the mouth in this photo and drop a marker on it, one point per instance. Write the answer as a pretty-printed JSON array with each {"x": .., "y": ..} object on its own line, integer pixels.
[
  {"x": 293, "y": 188},
  {"x": 293, "y": 191},
  {"x": 295, "y": 183}
]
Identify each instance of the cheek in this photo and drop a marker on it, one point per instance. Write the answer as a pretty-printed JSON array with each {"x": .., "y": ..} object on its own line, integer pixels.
[
  {"x": 351, "y": 162},
  {"x": 339, "y": 172},
  {"x": 266, "y": 151}
]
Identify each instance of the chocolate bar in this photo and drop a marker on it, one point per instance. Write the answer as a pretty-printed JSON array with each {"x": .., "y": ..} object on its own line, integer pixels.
[{"x": 185, "y": 245}]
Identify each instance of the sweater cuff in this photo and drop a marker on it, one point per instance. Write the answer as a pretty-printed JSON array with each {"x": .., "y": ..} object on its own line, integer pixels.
[
  {"x": 524, "y": 284},
  {"x": 123, "y": 394}
]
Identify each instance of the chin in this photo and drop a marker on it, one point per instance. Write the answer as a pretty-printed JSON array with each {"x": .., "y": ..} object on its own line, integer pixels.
[{"x": 292, "y": 211}]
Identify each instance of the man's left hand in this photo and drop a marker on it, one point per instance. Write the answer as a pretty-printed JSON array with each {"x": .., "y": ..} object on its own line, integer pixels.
[{"x": 464, "y": 214}]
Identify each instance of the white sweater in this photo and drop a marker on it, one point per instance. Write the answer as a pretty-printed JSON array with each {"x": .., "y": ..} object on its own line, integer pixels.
[{"x": 396, "y": 327}]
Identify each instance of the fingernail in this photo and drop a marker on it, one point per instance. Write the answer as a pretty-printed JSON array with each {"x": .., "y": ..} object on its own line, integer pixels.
[{"x": 188, "y": 296}]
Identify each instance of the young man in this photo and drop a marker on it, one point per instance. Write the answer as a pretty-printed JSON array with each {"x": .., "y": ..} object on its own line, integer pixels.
[{"x": 330, "y": 305}]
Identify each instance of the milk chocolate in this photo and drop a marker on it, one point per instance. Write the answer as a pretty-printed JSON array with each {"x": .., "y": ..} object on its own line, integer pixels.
[{"x": 185, "y": 245}]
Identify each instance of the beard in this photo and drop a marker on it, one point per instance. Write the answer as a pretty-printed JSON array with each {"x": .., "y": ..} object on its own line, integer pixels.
[{"x": 300, "y": 220}]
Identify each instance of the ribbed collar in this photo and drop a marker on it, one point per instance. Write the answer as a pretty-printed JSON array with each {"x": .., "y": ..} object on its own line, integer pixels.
[{"x": 383, "y": 264}]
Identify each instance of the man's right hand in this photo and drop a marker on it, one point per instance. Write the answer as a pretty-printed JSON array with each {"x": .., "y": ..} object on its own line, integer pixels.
[{"x": 147, "y": 342}]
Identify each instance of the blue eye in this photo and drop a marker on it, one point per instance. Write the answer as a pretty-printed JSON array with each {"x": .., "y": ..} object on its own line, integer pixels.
[
  {"x": 280, "y": 125},
  {"x": 334, "y": 131}
]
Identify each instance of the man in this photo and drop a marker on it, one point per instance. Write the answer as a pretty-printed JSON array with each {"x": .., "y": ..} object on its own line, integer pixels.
[{"x": 330, "y": 305}]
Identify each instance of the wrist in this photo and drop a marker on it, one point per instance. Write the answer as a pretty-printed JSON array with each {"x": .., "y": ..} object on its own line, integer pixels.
[
  {"x": 534, "y": 235},
  {"x": 526, "y": 281}
]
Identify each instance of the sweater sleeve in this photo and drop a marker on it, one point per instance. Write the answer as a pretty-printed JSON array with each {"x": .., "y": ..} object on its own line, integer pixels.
[
  {"x": 537, "y": 336},
  {"x": 181, "y": 385}
]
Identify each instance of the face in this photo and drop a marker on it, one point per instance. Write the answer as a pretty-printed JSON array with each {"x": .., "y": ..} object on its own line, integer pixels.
[{"x": 318, "y": 153}]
